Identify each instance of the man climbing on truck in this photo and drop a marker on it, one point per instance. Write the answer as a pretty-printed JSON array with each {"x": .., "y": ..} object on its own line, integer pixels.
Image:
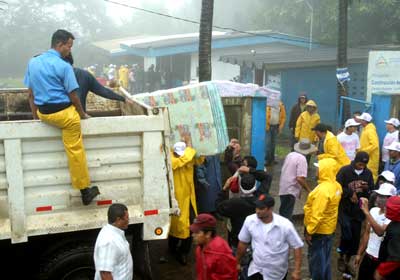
[{"x": 53, "y": 99}]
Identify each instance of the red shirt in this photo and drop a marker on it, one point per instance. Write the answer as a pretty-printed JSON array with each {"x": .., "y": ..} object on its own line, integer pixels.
[{"x": 215, "y": 261}]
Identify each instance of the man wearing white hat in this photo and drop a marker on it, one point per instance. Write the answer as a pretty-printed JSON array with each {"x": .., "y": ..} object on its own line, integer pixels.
[
  {"x": 369, "y": 142},
  {"x": 393, "y": 164},
  {"x": 391, "y": 136},
  {"x": 183, "y": 161},
  {"x": 349, "y": 138},
  {"x": 373, "y": 232},
  {"x": 293, "y": 177}
]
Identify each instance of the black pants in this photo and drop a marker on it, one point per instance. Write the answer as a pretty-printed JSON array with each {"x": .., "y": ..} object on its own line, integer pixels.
[
  {"x": 350, "y": 234},
  {"x": 180, "y": 246},
  {"x": 287, "y": 205},
  {"x": 367, "y": 268},
  {"x": 258, "y": 276}
]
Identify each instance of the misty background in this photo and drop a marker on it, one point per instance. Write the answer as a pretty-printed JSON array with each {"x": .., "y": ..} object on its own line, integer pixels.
[{"x": 26, "y": 26}]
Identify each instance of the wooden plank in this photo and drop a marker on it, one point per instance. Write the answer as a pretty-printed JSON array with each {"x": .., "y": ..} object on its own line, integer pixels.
[{"x": 16, "y": 195}]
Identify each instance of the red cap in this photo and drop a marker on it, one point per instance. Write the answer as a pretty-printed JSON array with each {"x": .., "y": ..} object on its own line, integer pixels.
[
  {"x": 203, "y": 221},
  {"x": 393, "y": 208}
]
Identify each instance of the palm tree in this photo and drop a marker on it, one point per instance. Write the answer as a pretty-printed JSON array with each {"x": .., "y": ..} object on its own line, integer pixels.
[
  {"x": 206, "y": 22},
  {"x": 342, "y": 52}
]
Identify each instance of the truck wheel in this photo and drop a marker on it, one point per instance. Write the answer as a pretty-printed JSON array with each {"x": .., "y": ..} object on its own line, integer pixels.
[{"x": 70, "y": 264}]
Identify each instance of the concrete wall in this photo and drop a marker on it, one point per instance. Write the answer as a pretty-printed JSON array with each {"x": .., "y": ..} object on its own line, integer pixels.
[
  {"x": 320, "y": 85},
  {"x": 220, "y": 70}
]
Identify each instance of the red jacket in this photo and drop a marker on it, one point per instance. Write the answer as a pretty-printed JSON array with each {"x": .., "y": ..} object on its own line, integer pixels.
[{"x": 215, "y": 261}]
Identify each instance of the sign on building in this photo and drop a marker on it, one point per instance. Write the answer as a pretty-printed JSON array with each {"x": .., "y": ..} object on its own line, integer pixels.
[{"x": 383, "y": 73}]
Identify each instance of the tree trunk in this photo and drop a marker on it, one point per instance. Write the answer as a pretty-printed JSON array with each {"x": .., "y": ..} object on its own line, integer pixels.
[
  {"x": 342, "y": 54},
  {"x": 206, "y": 22}
]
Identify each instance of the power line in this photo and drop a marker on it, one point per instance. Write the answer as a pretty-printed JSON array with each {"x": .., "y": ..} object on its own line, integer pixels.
[
  {"x": 3, "y": 3},
  {"x": 198, "y": 23}
]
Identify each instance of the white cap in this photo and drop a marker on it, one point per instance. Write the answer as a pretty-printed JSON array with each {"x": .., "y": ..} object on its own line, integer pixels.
[
  {"x": 365, "y": 117},
  {"x": 351, "y": 122},
  {"x": 386, "y": 189},
  {"x": 179, "y": 148},
  {"x": 395, "y": 146},
  {"x": 393, "y": 121},
  {"x": 388, "y": 175}
]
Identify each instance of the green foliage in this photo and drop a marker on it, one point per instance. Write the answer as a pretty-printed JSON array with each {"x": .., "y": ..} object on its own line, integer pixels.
[{"x": 370, "y": 21}]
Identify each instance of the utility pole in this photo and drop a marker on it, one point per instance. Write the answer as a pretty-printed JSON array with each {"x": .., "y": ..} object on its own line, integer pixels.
[{"x": 205, "y": 39}]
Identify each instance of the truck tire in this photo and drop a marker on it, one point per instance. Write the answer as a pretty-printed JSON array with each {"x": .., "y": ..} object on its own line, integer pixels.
[{"x": 70, "y": 264}]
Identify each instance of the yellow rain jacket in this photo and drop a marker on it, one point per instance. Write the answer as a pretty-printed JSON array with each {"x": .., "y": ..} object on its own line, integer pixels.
[
  {"x": 123, "y": 74},
  {"x": 333, "y": 149},
  {"x": 282, "y": 116},
  {"x": 321, "y": 208},
  {"x": 305, "y": 123},
  {"x": 369, "y": 143},
  {"x": 182, "y": 168}
]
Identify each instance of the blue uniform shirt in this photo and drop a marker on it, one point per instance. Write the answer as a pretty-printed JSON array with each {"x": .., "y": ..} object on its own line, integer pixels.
[
  {"x": 50, "y": 78},
  {"x": 395, "y": 168}
]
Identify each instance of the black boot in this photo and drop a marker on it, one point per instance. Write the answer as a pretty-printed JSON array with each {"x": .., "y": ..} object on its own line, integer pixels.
[{"x": 89, "y": 194}]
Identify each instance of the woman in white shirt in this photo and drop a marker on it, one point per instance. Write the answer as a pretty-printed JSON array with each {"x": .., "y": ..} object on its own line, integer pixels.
[{"x": 373, "y": 233}]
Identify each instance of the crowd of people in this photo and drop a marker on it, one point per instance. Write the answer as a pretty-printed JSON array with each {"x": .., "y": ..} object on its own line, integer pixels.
[
  {"x": 356, "y": 189},
  {"x": 134, "y": 78}
]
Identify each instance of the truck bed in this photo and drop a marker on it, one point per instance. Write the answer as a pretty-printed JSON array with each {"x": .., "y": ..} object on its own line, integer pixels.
[{"x": 127, "y": 161}]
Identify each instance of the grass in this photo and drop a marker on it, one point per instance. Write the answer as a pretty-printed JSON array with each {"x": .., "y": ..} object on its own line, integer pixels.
[
  {"x": 11, "y": 83},
  {"x": 281, "y": 150}
]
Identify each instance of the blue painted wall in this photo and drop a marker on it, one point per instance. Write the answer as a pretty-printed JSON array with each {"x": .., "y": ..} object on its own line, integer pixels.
[
  {"x": 320, "y": 85},
  {"x": 258, "y": 130}
]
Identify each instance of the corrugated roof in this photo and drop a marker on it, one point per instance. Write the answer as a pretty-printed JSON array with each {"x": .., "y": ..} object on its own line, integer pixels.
[
  {"x": 117, "y": 46},
  {"x": 295, "y": 58}
]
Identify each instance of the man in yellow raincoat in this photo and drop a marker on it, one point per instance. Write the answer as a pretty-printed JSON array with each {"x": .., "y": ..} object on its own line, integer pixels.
[
  {"x": 369, "y": 142},
  {"x": 307, "y": 121},
  {"x": 183, "y": 161},
  {"x": 123, "y": 74},
  {"x": 329, "y": 146},
  {"x": 320, "y": 219}
]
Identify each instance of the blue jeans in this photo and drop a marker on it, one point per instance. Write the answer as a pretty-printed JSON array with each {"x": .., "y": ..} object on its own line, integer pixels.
[
  {"x": 320, "y": 256},
  {"x": 270, "y": 143},
  {"x": 287, "y": 205}
]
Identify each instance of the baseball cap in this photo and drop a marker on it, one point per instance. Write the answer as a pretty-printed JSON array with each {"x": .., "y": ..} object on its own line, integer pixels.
[
  {"x": 365, "y": 117},
  {"x": 203, "y": 221},
  {"x": 361, "y": 156},
  {"x": 386, "y": 189},
  {"x": 393, "y": 121},
  {"x": 265, "y": 201},
  {"x": 351, "y": 122},
  {"x": 394, "y": 146},
  {"x": 388, "y": 175},
  {"x": 179, "y": 148}
]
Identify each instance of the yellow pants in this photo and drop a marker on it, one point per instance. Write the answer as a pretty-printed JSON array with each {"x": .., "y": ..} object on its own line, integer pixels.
[{"x": 70, "y": 123}]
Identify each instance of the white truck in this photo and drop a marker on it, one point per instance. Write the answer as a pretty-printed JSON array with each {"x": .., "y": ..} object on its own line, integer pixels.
[{"x": 42, "y": 218}]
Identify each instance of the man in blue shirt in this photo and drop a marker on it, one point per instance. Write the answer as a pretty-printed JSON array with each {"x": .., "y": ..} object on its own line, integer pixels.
[
  {"x": 53, "y": 99},
  {"x": 393, "y": 164}
]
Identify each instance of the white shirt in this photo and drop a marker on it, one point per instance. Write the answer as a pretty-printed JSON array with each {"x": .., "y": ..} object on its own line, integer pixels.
[
  {"x": 270, "y": 244},
  {"x": 275, "y": 111},
  {"x": 112, "y": 253},
  {"x": 389, "y": 139},
  {"x": 350, "y": 144},
  {"x": 374, "y": 241}
]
